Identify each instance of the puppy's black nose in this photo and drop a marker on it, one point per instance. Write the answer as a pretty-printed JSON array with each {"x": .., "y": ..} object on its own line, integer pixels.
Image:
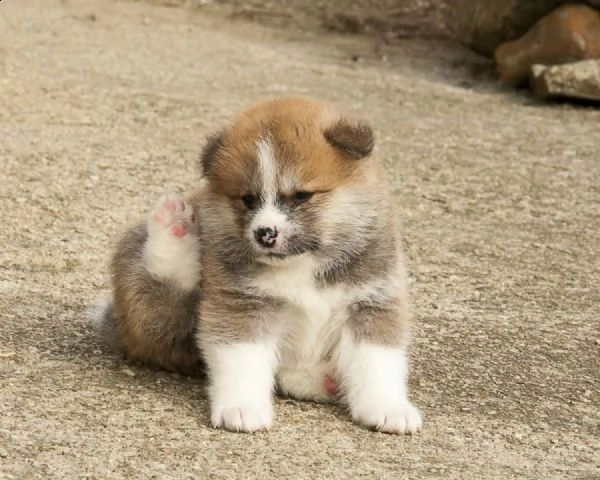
[{"x": 266, "y": 236}]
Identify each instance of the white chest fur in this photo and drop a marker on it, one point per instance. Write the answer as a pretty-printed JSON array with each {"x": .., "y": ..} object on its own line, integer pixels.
[{"x": 312, "y": 317}]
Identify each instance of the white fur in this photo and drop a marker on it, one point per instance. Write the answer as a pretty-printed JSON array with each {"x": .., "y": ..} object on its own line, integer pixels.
[
  {"x": 269, "y": 215},
  {"x": 268, "y": 171},
  {"x": 310, "y": 326},
  {"x": 242, "y": 378},
  {"x": 167, "y": 256},
  {"x": 312, "y": 317},
  {"x": 305, "y": 381},
  {"x": 374, "y": 382}
]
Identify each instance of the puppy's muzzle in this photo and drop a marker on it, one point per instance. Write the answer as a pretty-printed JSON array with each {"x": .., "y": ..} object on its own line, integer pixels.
[{"x": 266, "y": 237}]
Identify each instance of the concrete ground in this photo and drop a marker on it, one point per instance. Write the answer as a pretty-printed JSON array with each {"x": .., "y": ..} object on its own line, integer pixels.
[{"x": 104, "y": 105}]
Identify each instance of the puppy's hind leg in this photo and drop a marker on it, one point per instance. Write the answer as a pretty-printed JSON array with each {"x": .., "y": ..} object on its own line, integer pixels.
[
  {"x": 171, "y": 251},
  {"x": 155, "y": 277}
]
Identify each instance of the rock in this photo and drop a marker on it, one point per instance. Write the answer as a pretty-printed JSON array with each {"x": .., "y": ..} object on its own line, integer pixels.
[
  {"x": 569, "y": 33},
  {"x": 580, "y": 80},
  {"x": 483, "y": 25}
]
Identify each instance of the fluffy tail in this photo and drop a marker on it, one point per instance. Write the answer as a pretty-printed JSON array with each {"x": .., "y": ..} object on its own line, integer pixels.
[{"x": 103, "y": 318}]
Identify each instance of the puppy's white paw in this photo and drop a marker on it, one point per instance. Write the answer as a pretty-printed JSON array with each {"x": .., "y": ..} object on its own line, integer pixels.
[
  {"x": 385, "y": 417},
  {"x": 244, "y": 418},
  {"x": 172, "y": 252},
  {"x": 241, "y": 385},
  {"x": 171, "y": 216}
]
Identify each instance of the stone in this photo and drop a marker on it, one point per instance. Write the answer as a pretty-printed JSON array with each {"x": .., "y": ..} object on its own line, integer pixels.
[
  {"x": 579, "y": 80},
  {"x": 482, "y": 25},
  {"x": 569, "y": 33}
]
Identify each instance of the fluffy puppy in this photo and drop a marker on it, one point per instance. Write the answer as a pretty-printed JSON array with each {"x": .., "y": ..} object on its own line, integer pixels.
[{"x": 290, "y": 274}]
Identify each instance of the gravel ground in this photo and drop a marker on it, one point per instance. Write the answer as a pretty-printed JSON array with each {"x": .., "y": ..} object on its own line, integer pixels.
[{"x": 104, "y": 105}]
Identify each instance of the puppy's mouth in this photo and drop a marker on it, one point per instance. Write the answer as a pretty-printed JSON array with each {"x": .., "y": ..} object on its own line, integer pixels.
[
  {"x": 293, "y": 252},
  {"x": 276, "y": 259},
  {"x": 277, "y": 256}
]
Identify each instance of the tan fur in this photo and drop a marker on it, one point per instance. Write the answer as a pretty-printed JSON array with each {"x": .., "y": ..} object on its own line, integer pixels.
[{"x": 298, "y": 124}]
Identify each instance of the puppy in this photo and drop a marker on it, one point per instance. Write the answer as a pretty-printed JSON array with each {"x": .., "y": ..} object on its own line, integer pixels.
[{"x": 283, "y": 270}]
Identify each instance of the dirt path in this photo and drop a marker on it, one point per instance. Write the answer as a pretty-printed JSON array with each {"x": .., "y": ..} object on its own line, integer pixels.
[{"x": 103, "y": 106}]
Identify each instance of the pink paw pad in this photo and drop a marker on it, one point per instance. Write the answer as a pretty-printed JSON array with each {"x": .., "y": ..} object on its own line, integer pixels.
[
  {"x": 174, "y": 203},
  {"x": 173, "y": 214},
  {"x": 178, "y": 230}
]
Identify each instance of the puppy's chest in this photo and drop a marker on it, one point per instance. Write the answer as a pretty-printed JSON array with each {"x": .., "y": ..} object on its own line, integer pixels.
[{"x": 311, "y": 317}]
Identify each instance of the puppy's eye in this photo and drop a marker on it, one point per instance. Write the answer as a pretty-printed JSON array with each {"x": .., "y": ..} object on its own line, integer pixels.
[
  {"x": 300, "y": 197},
  {"x": 249, "y": 201}
]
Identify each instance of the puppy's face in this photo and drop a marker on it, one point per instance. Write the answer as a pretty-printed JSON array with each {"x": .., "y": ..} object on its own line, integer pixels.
[{"x": 282, "y": 175}]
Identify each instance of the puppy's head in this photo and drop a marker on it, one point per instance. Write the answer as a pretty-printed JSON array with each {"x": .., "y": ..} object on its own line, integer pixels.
[{"x": 284, "y": 178}]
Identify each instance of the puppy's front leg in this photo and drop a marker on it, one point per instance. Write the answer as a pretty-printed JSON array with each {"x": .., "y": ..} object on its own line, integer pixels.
[
  {"x": 241, "y": 362},
  {"x": 241, "y": 385},
  {"x": 373, "y": 366}
]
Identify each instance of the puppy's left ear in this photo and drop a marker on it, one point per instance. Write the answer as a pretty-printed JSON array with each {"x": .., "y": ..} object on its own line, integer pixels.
[
  {"x": 210, "y": 152},
  {"x": 351, "y": 137}
]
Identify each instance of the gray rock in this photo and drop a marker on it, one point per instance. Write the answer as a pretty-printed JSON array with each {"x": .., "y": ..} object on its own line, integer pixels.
[{"x": 580, "y": 80}]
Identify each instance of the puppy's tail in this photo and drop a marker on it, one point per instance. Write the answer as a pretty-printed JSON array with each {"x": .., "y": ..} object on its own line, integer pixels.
[{"x": 103, "y": 319}]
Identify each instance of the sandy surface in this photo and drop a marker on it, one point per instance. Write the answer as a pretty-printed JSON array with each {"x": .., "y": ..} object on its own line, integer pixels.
[{"x": 104, "y": 105}]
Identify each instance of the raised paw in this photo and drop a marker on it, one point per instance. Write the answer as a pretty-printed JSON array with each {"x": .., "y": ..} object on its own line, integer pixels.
[
  {"x": 398, "y": 419},
  {"x": 243, "y": 419},
  {"x": 171, "y": 215},
  {"x": 172, "y": 251}
]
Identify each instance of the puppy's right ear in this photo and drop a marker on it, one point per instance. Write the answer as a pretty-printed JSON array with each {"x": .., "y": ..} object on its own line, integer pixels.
[{"x": 210, "y": 152}]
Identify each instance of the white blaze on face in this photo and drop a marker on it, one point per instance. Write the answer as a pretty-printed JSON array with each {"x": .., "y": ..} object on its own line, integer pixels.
[
  {"x": 269, "y": 215},
  {"x": 268, "y": 171}
]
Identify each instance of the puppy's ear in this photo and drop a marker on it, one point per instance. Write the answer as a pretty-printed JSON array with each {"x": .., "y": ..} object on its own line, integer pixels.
[
  {"x": 210, "y": 152},
  {"x": 351, "y": 137}
]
